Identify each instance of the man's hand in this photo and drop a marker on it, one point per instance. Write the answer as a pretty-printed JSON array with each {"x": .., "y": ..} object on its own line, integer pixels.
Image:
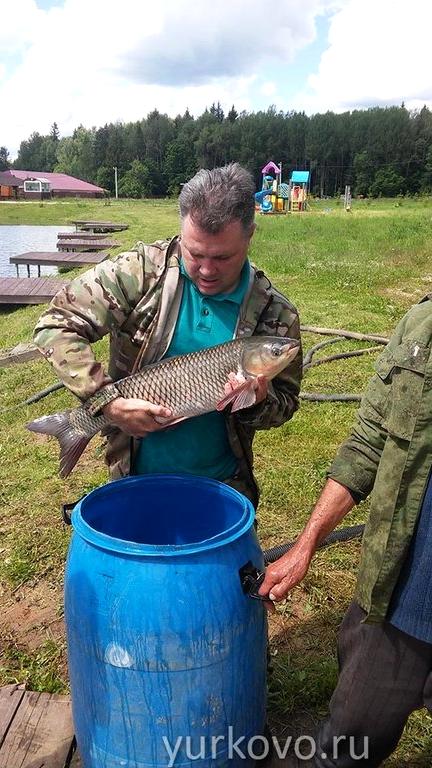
[
  {"x": 136, "y": 417},
  {"x": 260, "y": 385},
  {"x": 284, "y": 574},
  {"x": 333, "y": 504}
]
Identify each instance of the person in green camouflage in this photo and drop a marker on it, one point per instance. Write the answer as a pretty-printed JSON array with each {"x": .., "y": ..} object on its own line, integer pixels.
[
  {"x": 385, "y": 642},
  {"x": 171, "y": 297}
]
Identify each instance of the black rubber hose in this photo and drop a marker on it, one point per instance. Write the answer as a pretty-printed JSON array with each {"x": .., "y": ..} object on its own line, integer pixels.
[
  {"x": 343, "y": 534},
  {"x": 43, "y": 393},
  {"x": 316, "y": 397}
]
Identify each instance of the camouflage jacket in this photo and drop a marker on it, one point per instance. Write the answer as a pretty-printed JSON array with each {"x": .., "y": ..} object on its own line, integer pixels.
[
  {"x": 136, "y": 299},
  {"x": 389, "y": 452}
]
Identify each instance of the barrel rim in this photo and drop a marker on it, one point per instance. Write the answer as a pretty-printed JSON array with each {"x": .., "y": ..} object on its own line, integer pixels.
[{"x": 123, "y": 546}]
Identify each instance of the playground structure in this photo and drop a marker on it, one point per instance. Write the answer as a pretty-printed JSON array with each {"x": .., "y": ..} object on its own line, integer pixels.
[
  {"x": 275, "y": 196},
  {"x": 299, "y": 183}
]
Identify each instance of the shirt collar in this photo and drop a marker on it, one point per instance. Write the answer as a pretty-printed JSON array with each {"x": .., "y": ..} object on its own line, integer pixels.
[{"x": 236, "y": 296}]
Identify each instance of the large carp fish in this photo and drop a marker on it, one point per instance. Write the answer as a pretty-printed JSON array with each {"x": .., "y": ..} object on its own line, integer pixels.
[{"x": 189, "y": 385}]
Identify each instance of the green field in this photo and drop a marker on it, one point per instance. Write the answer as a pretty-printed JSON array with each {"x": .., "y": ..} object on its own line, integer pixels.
[{"x": 360, "y": 271}]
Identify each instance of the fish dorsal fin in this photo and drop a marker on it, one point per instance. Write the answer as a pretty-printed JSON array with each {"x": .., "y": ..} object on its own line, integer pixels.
[{"x": 242, "y": 396}]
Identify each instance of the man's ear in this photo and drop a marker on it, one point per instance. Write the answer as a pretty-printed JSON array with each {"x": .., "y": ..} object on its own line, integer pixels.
[{"x": 252, "y": 230}]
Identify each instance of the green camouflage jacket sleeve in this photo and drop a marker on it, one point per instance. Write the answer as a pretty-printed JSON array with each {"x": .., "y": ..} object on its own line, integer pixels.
[
  {"x": 385, "y": 407},
  {"x": 387, "y": 455},
  {"x": 356, "y": 462},
  {"x": 91, "y": 306}
]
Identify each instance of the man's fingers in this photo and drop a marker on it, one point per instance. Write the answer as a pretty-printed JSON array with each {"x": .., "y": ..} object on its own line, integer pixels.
[
  {"x": 274, "y": 574},
  {"x": 157, "y": 410},
  {"x": 280, "y": 591},
  {"x": 277, "y": 585},
  {"x": 234, "y": 379}
]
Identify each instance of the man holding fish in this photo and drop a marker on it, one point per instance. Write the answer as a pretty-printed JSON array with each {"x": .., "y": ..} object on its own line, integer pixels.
[{"x": 164, "y": 305}]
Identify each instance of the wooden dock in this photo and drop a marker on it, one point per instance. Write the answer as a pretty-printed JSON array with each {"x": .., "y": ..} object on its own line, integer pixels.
[
  {"x": 99, "y": 226},
  {"x": 64, "y": 244},
  {"x": 36, "y": 730},
  {"x": 57, "y": 259},
  {"x": 29, "y": 290},
  {"x": 79, "y": 235}
]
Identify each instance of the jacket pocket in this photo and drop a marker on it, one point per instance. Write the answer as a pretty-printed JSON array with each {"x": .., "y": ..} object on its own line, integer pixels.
[
  {"x": 403, "y": 369},
  {"x": 123, "y": 353}
]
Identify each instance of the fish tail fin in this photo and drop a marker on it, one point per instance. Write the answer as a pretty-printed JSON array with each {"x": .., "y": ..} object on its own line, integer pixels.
[{"x": 72, "y": 442}]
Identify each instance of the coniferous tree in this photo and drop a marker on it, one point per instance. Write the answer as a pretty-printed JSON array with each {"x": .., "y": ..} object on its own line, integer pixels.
[
  {"x": 4, "y": 159},
  {"x": 376, "y": 151}
]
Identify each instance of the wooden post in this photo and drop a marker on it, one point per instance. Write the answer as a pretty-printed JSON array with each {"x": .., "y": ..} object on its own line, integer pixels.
[
  {"x": 347, "y": 198},
  {"x": 116, "y": 181}
]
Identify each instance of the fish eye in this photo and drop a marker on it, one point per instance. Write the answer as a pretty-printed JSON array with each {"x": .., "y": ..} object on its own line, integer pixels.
[{"x": 275, "y": 350}]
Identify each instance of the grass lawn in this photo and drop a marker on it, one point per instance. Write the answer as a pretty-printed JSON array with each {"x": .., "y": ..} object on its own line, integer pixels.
[{"x": 359, "y": 270}]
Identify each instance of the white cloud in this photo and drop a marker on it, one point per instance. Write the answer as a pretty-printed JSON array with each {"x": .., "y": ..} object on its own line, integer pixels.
[
  {"x": 20, "y": 23},
  {"x": 215, "y": 39},
  {"x": 268, "y": 88},
  {"x": 97, "y": 61},
  {"x": 378, "y": 54},
  {"x": 101, "y": 61}
]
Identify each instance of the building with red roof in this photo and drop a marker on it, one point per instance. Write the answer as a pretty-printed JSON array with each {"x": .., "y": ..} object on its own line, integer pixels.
[
  {"x": 9, "y": 186},
  {"x": 43, "y": 185}
]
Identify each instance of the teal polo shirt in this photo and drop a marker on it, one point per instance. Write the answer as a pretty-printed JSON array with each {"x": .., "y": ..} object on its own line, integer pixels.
[{"x": 200, "y": 445}]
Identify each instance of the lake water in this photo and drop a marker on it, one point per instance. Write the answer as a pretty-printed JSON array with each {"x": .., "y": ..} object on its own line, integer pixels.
[{"x": 16, "y": 239}]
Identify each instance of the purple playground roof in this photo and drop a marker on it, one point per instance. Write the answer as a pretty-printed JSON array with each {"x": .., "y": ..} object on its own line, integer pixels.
[{"x": 271, "y": 166}]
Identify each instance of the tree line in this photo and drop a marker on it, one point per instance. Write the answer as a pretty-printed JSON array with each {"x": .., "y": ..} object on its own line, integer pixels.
[{"x": 378, "y": 151}]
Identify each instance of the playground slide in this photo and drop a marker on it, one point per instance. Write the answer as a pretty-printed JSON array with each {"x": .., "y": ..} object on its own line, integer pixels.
[{"x": 260, "y": 197}]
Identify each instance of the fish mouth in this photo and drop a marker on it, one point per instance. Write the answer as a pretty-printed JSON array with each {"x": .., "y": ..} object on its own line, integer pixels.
[
  {"x": 290, "y": 348},
  {"x": 289, "y": 351}
]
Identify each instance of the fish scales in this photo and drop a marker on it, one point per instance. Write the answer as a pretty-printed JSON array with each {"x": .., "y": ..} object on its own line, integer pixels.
[
  {"x": 188, "y": 385},
  {"x": 179, "y": 383}
]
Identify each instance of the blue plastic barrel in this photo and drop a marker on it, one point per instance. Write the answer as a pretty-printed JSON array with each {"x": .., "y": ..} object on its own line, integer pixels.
[{"x": 167, "y": 654}]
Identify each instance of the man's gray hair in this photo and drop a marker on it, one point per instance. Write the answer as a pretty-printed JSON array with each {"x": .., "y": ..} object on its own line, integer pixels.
[{"x": 217, "y": 197}]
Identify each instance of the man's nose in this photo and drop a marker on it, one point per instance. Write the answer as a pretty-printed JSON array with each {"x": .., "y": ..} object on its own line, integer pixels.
[{"x": 208, "y": 267}]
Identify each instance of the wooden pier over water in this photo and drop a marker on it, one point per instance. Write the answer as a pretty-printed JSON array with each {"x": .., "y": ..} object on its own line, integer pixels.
[
  {"x": 29, "y": 290},
  {"x": 69, "y": 259},
  {"x": 79, "y": 235},
  {"x": 99, "y": 226},
  {"x": 75, "y": 249},
  {"x": 65, "y": 244}
]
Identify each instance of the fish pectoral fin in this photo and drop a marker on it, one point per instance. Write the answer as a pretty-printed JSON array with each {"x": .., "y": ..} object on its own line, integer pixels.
[{"x": 242, "y": 396}]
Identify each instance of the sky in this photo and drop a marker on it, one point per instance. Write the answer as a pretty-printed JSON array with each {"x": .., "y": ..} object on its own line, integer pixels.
[{"x": 91, "y": 62}]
